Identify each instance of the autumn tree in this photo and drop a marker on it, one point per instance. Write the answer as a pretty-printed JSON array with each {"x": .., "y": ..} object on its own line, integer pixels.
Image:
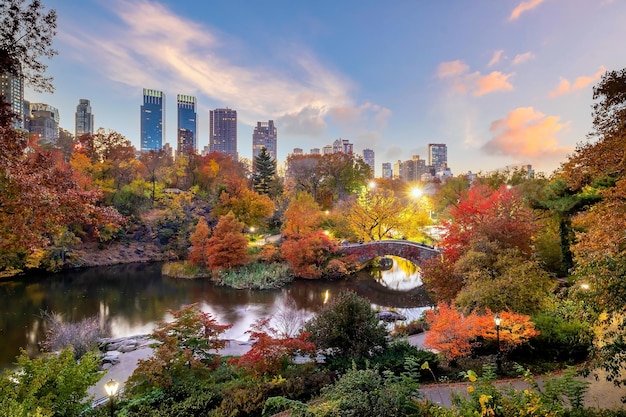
[
  {"x": 308, "y": 255},
  {"x": 213, "y": 170},
  {"x": 249, "y": 207},
  {"x": 228, "y": 246},
  {"x": 454, "y": 334},
  {"x": 26, "y": 37},
  {"x": 303, "y": 174},
  {"x": 272, "y": 351},
  {"x": 154, "y": 165},
  {"x": 302, "y": 216},
  {"x": 343, "y": 174},
  {"x": 186, "y": 348},
  {"x": 599, "y": 167},
  {"x": 483, "y": 215},
  {"x": 199, "y": 240},
  {"x": 501, "y": 280}
]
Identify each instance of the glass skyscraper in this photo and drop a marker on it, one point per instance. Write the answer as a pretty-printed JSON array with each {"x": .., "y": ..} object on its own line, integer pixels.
[
  {"x": 187, "y": 124},
  {"x": 264, "y": 136},
  {"x": 152, "y": 120},
  {"x": 438, "y": 156},
  {"x": 84, "y": 118},
  {"x": 223, "y": 132},
  {"x": 12, "y": 92}
]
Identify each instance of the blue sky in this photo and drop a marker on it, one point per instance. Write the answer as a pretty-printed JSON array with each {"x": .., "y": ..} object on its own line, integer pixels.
[{"x": 501, "y": 82}]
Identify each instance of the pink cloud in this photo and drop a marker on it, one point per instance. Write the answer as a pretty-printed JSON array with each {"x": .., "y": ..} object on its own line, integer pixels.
[
  {"x": 519, "y": 58},
  {"x": 495, "y": 81},
  {"x": 452, "y": 69},
  {"x": 565, "y": 86},
  {"x": 523, "y": 7},
  {"x": 526, "y": 133},
  {"x": 497, "y": 55}
]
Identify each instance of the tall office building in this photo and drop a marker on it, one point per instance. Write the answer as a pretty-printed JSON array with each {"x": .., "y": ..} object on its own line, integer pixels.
[
  {"x": 264, "y": 136},
  {"x": 152, "y": 120},
  {"x": 12, "y": 92},
  {"x": 223, "y": 132},
  {"x": 187, "y": 124},
  {"x": 83, "y": 119},
  {"x": 369, "y": 159},
  {"x": 44, "y": 122},
  {"x": 438, "y": 156},
  {"x": 387, "y": 171}
]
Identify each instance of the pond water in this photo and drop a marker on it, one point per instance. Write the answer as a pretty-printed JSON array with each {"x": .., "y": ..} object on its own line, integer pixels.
[{"x": 133, "y": 298}]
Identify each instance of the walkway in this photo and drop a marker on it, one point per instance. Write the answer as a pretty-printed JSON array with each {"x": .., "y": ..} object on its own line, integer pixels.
[{"x": 601, "y": 394}]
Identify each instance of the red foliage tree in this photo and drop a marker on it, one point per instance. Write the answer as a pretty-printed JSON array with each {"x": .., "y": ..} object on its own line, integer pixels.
[
  {"x": 308, "y": 255},
  {"x": 187, "y": 347},
  {"x": 272, "y": 351},
  {"x": 228, "y": 247}
]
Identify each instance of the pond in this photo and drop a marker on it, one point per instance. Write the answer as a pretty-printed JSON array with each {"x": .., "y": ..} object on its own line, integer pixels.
[{"x": 131, "y": 299}]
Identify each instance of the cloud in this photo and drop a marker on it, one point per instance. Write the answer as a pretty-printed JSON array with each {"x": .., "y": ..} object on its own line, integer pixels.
[
  {"x": 523, "y": 7},
  {"x": 565, "y": 86},
  {"x": 519, "y": 58},
  {"x": 452, "y": 69},
  {"x": 494, "y": 81},
  {"x": 152, "y": 47},
  {"x": 476, "y": 83},
  {"x": 526, "y": 133},
  {"x": 495, "y": 58}
]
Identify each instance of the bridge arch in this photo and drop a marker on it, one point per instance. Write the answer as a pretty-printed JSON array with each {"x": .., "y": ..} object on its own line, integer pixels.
[{"x": 413, "y": 251}]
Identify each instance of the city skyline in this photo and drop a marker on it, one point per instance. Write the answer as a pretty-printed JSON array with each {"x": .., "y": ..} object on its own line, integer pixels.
[{"x": 501, "y": 84}]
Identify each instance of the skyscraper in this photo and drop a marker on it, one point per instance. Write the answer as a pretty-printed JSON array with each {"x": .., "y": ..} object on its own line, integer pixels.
[
  {"x": 223, "y": 132},
  {"x": 152, "y": 120},
  {"x": 12, "y": 92},
  {"x": 438, "y": 156},
  {"x": 264, "y": 136},
  {"x": 369, "y": 159},
  {"x": 44, "y": 122},
  {"x": 84, "y": 118},
  {"x": 187, "y": 124}
]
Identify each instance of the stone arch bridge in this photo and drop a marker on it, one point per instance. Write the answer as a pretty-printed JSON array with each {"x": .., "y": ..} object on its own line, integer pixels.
[{"x": 413, "y": 251}]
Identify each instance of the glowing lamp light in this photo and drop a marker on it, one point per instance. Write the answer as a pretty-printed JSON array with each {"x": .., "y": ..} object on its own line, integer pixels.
[
  {"x": 416, "y": 192},
  {"x": 111, "y": 387}
]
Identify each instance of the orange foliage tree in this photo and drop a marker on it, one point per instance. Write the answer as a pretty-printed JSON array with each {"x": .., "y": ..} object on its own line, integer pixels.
[
  {"x": 302, "y": 216},
  {"x": 199, "y": 239},
  {"x": 272, "y": 350},
  {"x": 228, "y": 247},
  {"x": 248, "y": 206},
  {"x": 454, "y": 334},
  {"x": 308, "y": 255}
]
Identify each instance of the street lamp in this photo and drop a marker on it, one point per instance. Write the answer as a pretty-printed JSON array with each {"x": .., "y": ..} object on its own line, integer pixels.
[
  {"x": 498, "y": 320},
  {"x": 111, "y": 389}
]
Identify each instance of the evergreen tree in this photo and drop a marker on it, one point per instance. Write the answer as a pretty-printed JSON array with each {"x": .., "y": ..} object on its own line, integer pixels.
[{"x": 264, "y": 176}]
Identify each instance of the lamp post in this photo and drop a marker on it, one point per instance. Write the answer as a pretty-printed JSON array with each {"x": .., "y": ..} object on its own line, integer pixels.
[
  {"x": 498, "y": 320},
  {"x": 111, "y": 389}
]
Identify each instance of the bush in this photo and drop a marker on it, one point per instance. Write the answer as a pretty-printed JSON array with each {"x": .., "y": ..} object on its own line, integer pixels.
[
  {"x": 347, "y": 328},
  {"x": 82, "y": 336},
  {"x": 393, "y": 359},
  {"x": 256, "y": 276}
]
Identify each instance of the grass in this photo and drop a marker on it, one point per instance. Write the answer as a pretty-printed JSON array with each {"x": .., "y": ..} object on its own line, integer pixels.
[{"x": 256, "y": 276}]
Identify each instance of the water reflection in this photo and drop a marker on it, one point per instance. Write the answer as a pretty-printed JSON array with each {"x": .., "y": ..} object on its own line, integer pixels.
[
  {"x": 131, "y": 299},
  {"x": 403, "y": 275}
]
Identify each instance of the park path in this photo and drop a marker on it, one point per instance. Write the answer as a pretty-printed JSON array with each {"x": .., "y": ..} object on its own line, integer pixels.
[{"x": 601, "y": 394}]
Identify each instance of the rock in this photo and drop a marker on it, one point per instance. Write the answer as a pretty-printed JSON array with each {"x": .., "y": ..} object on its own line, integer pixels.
[{"x": 389, "y": 316}]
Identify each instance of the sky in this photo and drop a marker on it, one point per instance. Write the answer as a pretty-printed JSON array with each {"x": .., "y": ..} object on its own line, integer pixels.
[{"x": 501, "y": 82}]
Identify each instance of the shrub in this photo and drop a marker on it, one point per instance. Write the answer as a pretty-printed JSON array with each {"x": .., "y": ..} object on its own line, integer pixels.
[
  {"x": 394, "y": 359},
  {"x": 82, "y": 336},
  {"x": 347, "y": 328}
]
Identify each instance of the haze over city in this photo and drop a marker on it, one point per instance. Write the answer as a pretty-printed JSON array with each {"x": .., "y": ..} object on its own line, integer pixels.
[{"x": 501, "y": 83}]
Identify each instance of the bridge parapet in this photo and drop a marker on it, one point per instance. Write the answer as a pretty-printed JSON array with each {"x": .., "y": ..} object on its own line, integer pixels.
[{"x": 413, "y": 251}]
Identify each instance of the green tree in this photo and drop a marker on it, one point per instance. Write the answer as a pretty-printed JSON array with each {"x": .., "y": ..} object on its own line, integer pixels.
[
  {"x": 264, "y": 172},
  {"x": 347, "y": 328},
  {"x": 48, "y": 386}
]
